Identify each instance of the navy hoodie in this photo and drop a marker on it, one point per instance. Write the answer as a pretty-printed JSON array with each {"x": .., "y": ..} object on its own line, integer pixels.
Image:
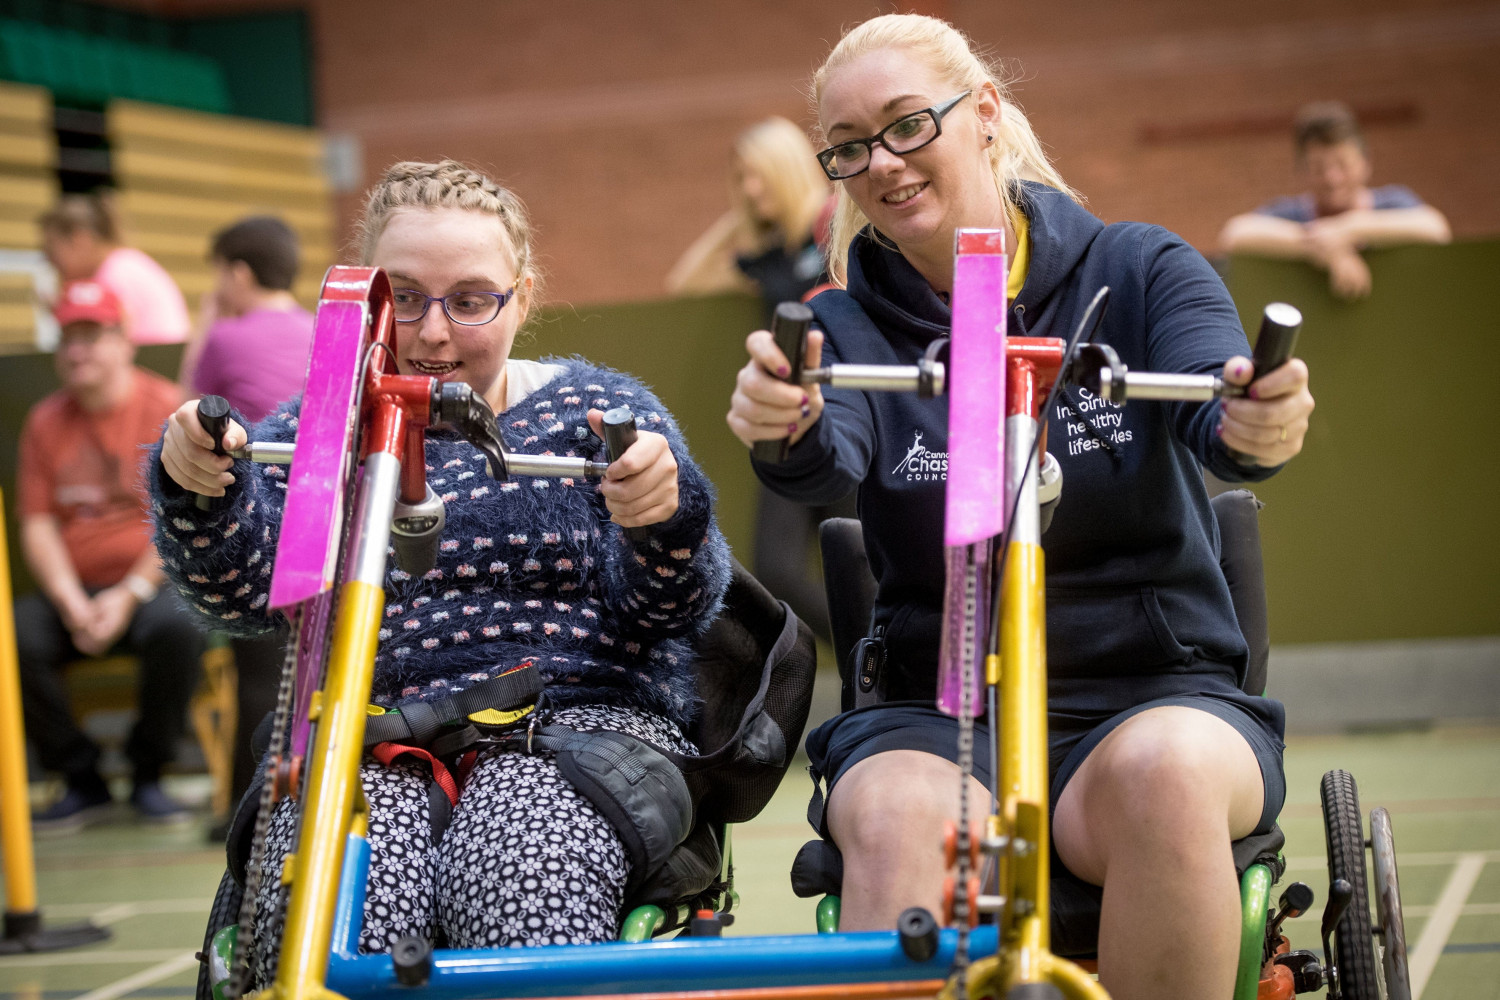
[{"x": 1137, "y": 607}]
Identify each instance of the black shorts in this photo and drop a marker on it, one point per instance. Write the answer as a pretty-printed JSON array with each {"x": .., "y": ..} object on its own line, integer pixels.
[{"x": 847, "y": 739}]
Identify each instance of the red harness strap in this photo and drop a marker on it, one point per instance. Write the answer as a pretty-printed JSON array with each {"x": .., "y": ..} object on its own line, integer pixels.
[{"x": 386, "y": 753}]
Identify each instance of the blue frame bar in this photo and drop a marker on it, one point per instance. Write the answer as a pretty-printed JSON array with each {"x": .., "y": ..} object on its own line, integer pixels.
[
  {"x": 349, "y": 918},
  {"x": 678, "y": 964}
]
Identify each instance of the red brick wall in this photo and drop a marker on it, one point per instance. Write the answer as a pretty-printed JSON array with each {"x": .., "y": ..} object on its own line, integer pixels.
[{"x": 613, "y": 120}]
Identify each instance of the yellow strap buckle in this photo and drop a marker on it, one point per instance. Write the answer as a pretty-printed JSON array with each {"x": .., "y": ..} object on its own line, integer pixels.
[{"x": 495, "y": 717}]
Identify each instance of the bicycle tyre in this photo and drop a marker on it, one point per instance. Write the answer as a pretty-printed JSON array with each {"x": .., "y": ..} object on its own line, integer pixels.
[
  {"x": 1354, "y": 937},
  {"x": 1388, "y": 907},
  {"x": 225, "y": 911}
]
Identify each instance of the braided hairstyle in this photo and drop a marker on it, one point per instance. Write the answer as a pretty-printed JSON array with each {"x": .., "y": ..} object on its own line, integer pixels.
[
  {"x": 450, "y": 184},
  {"x": 1016, "y": 155}
]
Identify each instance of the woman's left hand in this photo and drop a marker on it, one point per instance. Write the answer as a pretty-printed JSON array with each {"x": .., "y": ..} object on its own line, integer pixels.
[
  {"x": 640, "y": 487},
  {"x": 1269, "y": 423}
]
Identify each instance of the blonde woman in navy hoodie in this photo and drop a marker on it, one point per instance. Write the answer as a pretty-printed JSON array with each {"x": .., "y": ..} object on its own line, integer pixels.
[{"x": 1158, "y": 759}]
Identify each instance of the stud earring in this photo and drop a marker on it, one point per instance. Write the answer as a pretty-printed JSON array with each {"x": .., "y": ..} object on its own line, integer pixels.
[{"x": 989, "y": 138}]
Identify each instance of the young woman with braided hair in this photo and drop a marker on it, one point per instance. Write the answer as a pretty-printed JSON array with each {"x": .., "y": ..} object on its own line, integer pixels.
[{"x": 529, "y": 571}]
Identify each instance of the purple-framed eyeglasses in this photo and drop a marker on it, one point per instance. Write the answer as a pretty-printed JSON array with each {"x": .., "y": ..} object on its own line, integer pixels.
[{"x": 463, "y": 308}]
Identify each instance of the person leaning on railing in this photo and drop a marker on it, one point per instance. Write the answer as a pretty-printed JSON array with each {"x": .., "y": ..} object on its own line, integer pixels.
[{"x": 1339, "y": 215}]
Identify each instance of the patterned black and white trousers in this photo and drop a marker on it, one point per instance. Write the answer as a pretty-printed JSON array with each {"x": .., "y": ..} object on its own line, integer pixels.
[{"x": 526, "y": 859}]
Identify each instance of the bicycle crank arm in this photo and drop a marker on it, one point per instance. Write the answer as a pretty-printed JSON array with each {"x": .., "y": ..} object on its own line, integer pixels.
[
  {"x": 553, "y": 466},
  {"x": 927, "y": 379},
  {"x": 266, "y": 452}
]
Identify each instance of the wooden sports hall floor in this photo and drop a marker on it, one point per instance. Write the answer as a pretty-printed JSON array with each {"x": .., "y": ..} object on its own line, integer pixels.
[{"x": 1442, "y": 786}]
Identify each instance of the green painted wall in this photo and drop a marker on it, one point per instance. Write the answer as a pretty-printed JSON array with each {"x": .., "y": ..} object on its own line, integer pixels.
[{"x": 1384, "y": 528}]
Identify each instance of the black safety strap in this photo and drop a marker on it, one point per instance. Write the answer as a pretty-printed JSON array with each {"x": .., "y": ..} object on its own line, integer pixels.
[{"x": 416, "y": 723}]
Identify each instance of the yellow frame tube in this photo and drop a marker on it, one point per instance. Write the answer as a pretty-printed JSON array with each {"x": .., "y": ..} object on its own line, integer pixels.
[
  {"x": 328, "y": 804},
  {"x": 1023, "y": 812},
  {"x": 15, "y": 807}
]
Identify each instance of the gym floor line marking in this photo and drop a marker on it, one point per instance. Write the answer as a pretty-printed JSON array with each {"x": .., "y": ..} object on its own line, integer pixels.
[
  {"x": 1424, "y": 956},
  {"x": 138, "y": 956},
  {"x": 1469, "y": 910},
  {"x": 116, "y": 911},
  {"x": 172, "y": 966}
]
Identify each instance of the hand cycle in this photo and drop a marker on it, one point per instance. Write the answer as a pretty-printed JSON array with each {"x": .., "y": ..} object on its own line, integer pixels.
[
  {"x": 993, "y": 547},
  {"x": 333, "y": 542},
  {"x": 357, "y": 483}
]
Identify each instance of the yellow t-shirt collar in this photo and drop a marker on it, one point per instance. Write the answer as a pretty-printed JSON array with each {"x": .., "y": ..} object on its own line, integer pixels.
[{"x": 1020, "y": 257}]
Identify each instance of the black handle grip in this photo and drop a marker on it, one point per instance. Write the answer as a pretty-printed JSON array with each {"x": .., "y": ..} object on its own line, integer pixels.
[
  {"x": 213, "y": 416},
  {"x": 619, "y": 434},
  {"x": 1279, "y": 325},
  {"x": 789, "y": 330},
  {"x": 1274, "y": 344}
]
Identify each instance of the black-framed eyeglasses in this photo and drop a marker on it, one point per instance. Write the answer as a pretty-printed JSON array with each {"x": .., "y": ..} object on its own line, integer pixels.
[
  {"x": 463, "y": 308},
  {"x": 904, "y": 135}
]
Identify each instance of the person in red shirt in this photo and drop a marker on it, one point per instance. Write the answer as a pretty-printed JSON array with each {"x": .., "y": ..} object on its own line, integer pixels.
[{"x": 86, "y": 540}]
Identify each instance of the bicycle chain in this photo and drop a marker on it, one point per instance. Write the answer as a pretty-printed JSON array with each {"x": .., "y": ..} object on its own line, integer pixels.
[
  {"x": 244, "y": 937},
  {"x": 967, "y": 649}
]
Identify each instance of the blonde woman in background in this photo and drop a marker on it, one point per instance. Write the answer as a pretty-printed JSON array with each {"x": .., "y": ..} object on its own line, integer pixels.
[{"x": 772, "y": 240}]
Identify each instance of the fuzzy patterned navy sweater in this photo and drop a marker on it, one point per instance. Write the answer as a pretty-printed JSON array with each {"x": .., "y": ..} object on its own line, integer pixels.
[{"x": 528, "y": 569}]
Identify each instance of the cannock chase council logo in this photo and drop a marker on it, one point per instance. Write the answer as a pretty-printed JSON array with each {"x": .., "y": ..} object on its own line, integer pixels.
[{"x": 922, "y": 465}]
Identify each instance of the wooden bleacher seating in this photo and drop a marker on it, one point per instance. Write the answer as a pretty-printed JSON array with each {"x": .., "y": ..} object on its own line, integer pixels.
[
  {"x": 183, "y": 175},
  {"x": 28, "y": 187}
]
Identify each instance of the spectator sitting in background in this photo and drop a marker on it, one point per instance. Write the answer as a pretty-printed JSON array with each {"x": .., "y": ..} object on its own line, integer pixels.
[
  {"x": 770, "y": 241},
  {"x": 86, "y": 540},
  {"x": 1340, "y": 215},
  {"x": 773, "y": 241},
  {"x": 81, "y": 239},
  {"x": 252, "y": 350}
]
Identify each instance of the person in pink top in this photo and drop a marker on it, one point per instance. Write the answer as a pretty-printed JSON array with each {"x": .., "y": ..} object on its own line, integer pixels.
[
  {"x": 253, "y": 350},
  {"x": 81, "y": 239}
]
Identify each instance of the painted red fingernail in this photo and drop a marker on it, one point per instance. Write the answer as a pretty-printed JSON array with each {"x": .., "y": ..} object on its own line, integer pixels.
[
  {"x": 806, "y": 412},
  {"x": 783, "y": 371},
  {"x": 1219, "y": 430},
  {"x": 1253, "y": 392},
  {"x": 791, "y": 428},
  {"x": 805, "y": 401}
]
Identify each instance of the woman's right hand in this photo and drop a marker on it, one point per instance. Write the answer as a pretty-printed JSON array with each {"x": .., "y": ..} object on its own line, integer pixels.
[
  {"x": 187, "y": 452},
  {"x": 766, "y": 408}
]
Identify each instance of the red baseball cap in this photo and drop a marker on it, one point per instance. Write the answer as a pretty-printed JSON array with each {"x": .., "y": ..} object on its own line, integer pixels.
[{"x": 87, "y": 302}]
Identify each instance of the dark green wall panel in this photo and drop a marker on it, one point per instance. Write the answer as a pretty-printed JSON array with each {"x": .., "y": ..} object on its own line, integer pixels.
[{"x": 1386, "y": 526}]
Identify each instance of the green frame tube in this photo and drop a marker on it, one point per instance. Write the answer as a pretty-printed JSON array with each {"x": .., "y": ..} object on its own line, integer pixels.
[
  {"x": 1255, "y": 899},
  {"x": 641, "y": 924},
  {"x": 828, "y": 915}
]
